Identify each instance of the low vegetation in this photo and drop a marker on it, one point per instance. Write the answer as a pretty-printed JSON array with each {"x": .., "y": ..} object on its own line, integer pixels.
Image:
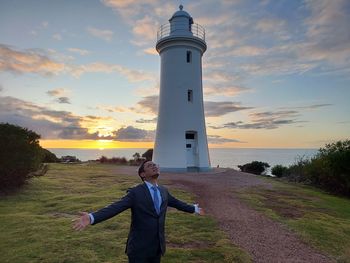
[
  {"x": 137, "y": 159},
  {"x": 35, "y": 223},
  {"x": 329, "y": 169},
  {"x": 254, "y": 167}
]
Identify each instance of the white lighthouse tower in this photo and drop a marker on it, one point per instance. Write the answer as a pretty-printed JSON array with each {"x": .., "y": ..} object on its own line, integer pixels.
[{"x": 181, "y": 139}]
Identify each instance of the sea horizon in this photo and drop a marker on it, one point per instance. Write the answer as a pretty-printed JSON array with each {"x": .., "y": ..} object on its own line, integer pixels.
[{"x": 222, "y": 157}]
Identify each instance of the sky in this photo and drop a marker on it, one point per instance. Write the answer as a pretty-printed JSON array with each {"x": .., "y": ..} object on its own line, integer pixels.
[{"x": 85, "y": 73}]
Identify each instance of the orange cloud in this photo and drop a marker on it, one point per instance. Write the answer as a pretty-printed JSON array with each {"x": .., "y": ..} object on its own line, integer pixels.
[{"x": 28, "y": 61}]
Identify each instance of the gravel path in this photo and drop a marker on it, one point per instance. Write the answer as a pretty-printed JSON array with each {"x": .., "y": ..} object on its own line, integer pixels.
[{"x": 264, "y": 239}]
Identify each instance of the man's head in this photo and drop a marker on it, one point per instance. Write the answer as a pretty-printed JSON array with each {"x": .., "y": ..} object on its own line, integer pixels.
[{"x": 148, "y": 170}]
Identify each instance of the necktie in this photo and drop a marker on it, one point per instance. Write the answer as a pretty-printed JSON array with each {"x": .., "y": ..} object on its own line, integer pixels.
[{"x": 155, "y": 199}]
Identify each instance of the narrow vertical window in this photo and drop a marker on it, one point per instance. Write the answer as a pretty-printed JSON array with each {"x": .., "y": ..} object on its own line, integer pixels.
[
  {"x": 188, "y": 56},
  {"x": 190, "y": 95}
]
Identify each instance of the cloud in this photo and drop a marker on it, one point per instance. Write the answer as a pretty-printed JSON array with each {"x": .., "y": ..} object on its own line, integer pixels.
[
  {"x": 36, "y": 61},
  {"x": 259, "y": 124},
  {"x": 221, "y": 90},
  {"x": 277, "y": 66},
  {"x": 247, "y": 51},
  {"x": 63, "y": 100},
  {"x": 131, "y": 9},
  {"x": 145, "y": 29},
  {"x": 274, "y": 27},
  {"x": 57, "y": 37},
  {"x": 216, "y": 109},
  {"x": 274, "y": 115},
  {"x": 265, "y": 120},
  {"x": 150, "y": 51},
  {"x": 220, "y": 76},
  {"x": 101, "y": 33},
  {"x": 45, "y": 24},
  {"x": 60, "y": 95},
  {"x": 327, "y": 31},
  {"x": 131, "y": 74},
  {"x": 28, "y": 61},
  {"x": 57, "y": 92},
  {"x": 50, "y": 124},
  {"x": 131, "y": 133},
  {"x": 154, "y": 120},
  {"x": 148, "y": 104},
  {"x": 310, "y": 107},
  {"x": 216, "y": 139},
  {"x": 82, "y": 52}
]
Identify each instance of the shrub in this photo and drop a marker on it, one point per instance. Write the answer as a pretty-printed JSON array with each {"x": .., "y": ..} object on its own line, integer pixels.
[
  {"x": 49, "y": 157},
  {"x": 113, "y": 160},
  {"x": 329, "y": 169},
  {"x": 279, "y": 170},
  {"x": 20, "y": 154},
  {"x": 254, "y": 167}
]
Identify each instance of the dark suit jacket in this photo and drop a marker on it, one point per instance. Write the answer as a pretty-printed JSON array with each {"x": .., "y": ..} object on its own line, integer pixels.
[{"x": 146, "y": 234}]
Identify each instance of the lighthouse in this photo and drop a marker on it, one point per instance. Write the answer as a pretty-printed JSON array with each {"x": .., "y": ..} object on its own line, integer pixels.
[{"x": 181, "y": 139}]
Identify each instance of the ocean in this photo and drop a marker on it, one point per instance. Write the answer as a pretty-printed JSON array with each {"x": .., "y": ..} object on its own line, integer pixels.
[{"x": 224, "y": 157}]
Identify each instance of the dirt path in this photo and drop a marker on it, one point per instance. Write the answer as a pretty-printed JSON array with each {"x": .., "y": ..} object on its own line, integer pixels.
[{"x": 264, "y": 239}]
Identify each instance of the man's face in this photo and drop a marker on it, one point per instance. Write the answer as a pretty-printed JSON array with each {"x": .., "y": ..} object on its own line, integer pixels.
[{"x": 151, "y": 170}]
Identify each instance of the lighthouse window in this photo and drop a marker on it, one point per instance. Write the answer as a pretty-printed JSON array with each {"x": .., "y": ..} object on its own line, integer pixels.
[
  {"x": 188, "y": 145},
  {"x": 188, "y": 56},
  {"x": 190, "y": 95},
  {"x": 189, "y": 136}
]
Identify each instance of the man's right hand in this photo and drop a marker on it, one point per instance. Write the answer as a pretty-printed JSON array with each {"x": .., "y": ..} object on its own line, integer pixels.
[{"x": 81, "y": 222}]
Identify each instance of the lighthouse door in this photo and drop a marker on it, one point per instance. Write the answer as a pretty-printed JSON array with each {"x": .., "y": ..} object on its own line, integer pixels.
[{"x": 191, "y": 149}]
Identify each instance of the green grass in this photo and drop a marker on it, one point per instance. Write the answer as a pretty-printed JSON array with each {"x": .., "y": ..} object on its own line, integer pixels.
[
  {"x": 321, "y": 219},
  {"x": 35, "y": 223}
]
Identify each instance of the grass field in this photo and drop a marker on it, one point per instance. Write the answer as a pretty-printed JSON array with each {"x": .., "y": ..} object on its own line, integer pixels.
[
  {"x": 321, "y": 219},
  {"x": 35, "y": 223}
]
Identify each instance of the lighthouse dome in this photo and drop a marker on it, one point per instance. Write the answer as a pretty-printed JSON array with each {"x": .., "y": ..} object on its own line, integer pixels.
[{"x": 180, "y": 13}]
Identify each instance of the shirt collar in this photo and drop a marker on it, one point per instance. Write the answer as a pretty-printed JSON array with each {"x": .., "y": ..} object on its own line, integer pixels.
[{"x": 149, "y": 185}]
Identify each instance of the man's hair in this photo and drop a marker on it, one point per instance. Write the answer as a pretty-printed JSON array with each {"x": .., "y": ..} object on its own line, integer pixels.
[{"x": 142, "y": 168}]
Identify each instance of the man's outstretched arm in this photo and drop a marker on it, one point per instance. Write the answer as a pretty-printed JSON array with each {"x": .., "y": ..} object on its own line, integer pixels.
[
  {"x": 180, "y": 205},
  {"x": 103, "y": 214}
]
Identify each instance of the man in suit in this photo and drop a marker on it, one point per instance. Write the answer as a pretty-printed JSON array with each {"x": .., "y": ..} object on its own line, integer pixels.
[{"x": 148, "y": 203}]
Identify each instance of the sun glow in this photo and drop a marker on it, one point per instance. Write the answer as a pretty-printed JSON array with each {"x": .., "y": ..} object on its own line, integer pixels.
[{"x": 93, "y": 144}]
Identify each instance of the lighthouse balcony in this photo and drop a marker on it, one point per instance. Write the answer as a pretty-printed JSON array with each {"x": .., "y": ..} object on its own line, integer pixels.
[{"x": 181, "y": 30}]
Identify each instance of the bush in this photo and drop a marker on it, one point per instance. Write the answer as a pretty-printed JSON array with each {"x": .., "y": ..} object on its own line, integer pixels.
[
  {"x": 113, "y": 160},
  {"x": 279, "y": 170},
  {"x": 49, "y": 157},
  {"x": 20, "y": 154},
  {"x": 254, "y": 167},
  {"x": 329, "y": 169}
]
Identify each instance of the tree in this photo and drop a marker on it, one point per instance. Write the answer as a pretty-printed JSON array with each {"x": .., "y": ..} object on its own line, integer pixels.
[
  {"x": 136, "y": 156},
  {"x": 148, "y": 154},
  {"x": 20, "y": 155}
]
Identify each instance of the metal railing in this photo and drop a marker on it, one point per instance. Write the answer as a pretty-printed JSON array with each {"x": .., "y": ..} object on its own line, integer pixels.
[{"x": 179, "y": 29}]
